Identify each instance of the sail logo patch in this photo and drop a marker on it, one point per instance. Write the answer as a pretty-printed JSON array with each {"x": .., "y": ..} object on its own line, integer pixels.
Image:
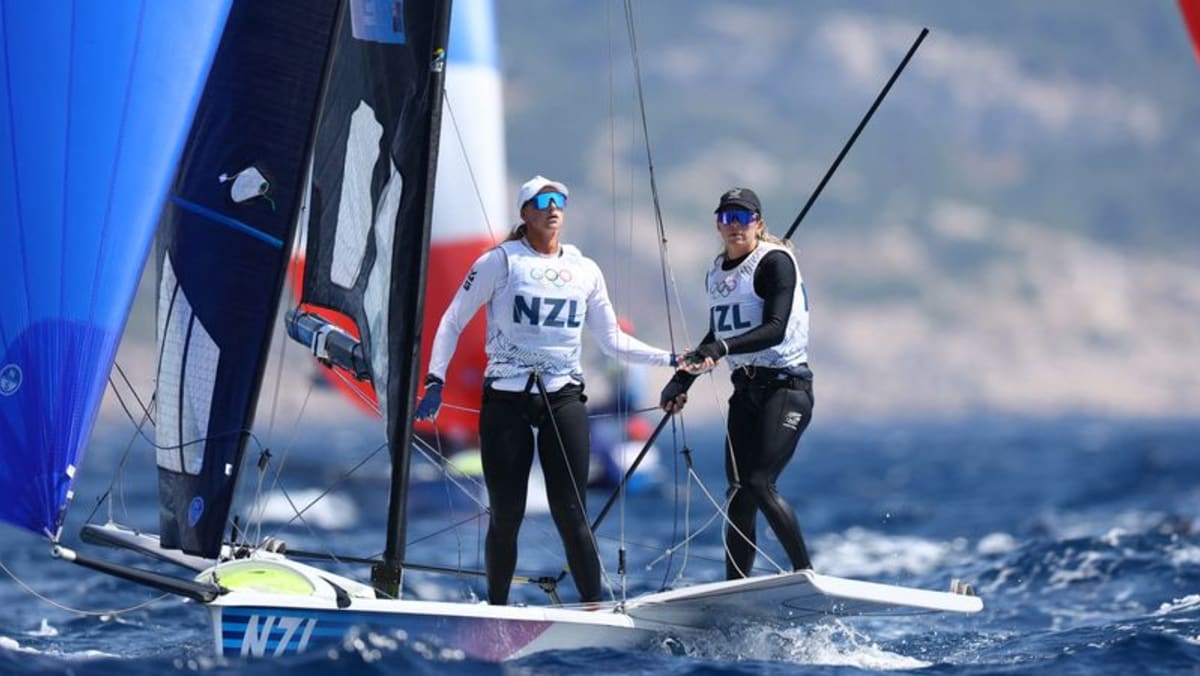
[
  {"x": 378, "y": 21},
  {"x": 10, "y": 379},
  {"x": 195, "y": 511}
]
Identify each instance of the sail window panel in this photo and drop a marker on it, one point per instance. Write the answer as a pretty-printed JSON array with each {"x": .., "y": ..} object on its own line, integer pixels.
[
  {"x": 186, "y": 379},
  {"x": 170, "y": 354},
  {"x": 354, "y": 207},
  {"x": 375, "y": 297},
  {"x": 200, "y": 381}
]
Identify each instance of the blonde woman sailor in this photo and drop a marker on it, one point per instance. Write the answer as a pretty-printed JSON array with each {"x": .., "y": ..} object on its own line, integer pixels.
[
  {"x": 758, "y": 323},
  {"x": 539, "y": 294}
]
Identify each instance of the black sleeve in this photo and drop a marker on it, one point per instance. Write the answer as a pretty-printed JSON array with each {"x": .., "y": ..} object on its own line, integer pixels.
[{"x": 775, "y": 283}]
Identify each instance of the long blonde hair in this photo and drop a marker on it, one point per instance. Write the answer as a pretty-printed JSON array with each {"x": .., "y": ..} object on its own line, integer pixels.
[
  {"x": 764, "y": 236},
  {"x": 516, "y": 233}
]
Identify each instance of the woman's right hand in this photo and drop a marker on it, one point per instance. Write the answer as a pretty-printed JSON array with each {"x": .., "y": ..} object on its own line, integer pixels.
[
  {"x": 674, "y": 395},
  {"x": 695, "y": 365},
  {"x": 696, "y": 361},
  {"x": 428, "y": 407}
]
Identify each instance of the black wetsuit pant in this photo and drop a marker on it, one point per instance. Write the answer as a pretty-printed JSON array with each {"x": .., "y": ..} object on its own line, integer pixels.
[
  {"x": 766, "y": 418},
  {"x": 506, "y": 445}
]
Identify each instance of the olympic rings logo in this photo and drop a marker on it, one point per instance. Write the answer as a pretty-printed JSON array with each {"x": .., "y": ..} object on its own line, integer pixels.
[
  {"x": 554, "y": 277},
  {"x": 725, "y": 287}
]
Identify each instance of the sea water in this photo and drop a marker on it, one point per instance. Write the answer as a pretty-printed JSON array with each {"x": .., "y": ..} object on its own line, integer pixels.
[{"x": 1080, "y": 535}]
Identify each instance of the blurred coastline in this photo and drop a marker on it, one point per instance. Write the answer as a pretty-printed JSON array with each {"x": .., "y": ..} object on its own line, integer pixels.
[{"x": 1017, "y": 233}]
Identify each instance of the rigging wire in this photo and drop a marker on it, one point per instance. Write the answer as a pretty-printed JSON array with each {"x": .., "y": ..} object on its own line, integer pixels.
[
  {"x": 658, "y": 221},
  {"x": 77, "y": 611},
  {"x": 622, "y": 383},
  {"x": 287, "y": 449},
  {"x": 117, "y": 480},
  {"x": 580, "y": 500},
  {"x": 437, "y": 436},
  {"x": 669, "y": 281},
  {"x": 470, "y": 172},
  {"x": 323, "y": 541},
  {"x": 329, "y": 489}
]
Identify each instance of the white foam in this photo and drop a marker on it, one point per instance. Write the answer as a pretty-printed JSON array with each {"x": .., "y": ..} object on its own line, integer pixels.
[
  {"x": 1089, "y": 568},
  {"x": 996, "y": 543},
  {"x": 1189, "y": 602},
  {"x": 1186, "y": 556},
  {"x": 7, "y": 643},
  {"x": 827, "y": 644},
  {"x": 43, "y": 631}
]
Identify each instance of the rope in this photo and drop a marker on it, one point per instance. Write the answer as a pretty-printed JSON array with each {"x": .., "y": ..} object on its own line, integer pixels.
[
  {"x": 437, "y": 435},
  {"x": 723, "y": 510},
  {"x": 537, "y": 377},
  {"x": 330, "y": 488},
  {"x": 658, "y": 220},
  {"x": 287, "y": 448},
  {"x": 117, "y": 480},
  {"x": 77, "y": 611},
  {"x": 446, "y": 468}
]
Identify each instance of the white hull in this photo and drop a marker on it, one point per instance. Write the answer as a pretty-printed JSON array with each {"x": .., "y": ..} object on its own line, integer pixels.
[{"x": 252, "y": 622}]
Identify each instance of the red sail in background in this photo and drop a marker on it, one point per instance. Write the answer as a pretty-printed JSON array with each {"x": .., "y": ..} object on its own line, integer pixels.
[
  {"x": 1191, "y": 18},
  {"x": 448, "y": 265}
]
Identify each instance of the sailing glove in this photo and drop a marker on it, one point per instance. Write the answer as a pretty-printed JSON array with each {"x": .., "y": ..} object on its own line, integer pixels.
[
  {"x": 674, "y": 395},
  {"x": 428, "y": 407}
]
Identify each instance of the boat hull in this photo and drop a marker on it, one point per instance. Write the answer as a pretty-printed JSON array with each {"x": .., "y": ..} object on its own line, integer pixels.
[{"x": 475, "y": 631}]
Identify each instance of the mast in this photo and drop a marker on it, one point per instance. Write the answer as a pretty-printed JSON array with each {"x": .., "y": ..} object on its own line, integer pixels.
[{"x": 410, "y": 252}]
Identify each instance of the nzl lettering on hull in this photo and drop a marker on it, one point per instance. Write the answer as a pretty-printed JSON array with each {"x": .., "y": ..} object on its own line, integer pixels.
[{"x": 269, "y": 634}]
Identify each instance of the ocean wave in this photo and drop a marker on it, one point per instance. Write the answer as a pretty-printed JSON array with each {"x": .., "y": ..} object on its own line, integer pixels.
[{"x": 12, "y": 645}]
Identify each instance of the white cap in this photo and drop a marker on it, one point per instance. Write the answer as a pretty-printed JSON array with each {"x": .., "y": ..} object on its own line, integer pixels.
[{"x": 534, "y": 185}]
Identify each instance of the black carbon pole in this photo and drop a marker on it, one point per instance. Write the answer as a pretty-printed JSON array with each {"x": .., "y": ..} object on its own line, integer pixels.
[
  {"x": 612, "y": 499},
  {"x": 853, "y": 137}
]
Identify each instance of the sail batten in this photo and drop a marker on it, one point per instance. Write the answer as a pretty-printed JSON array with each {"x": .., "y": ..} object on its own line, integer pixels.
[{"x": 226, "y": 221}]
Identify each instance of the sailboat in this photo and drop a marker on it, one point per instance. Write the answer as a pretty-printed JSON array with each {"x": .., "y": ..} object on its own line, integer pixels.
[{"x": 329, "y": 113}]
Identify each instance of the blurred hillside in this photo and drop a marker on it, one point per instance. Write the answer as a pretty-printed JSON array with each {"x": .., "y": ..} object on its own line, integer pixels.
[{"x": 1016, "y": 232}]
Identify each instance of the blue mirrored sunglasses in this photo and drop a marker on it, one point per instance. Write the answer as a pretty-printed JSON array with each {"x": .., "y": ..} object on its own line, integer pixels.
[
  {"x": 542, "y": 201},
  {"x": 739, "y": 216}
]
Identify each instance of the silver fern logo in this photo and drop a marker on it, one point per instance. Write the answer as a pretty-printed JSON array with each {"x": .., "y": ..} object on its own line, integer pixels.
[
  {"x": 791, "y": 419},
  {"x": 10, "y": 379}
]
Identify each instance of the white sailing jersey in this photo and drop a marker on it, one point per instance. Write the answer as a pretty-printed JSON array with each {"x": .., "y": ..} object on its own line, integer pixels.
[
  {"x": 735, "y": 308},
  {"x": 537, "y": 305}
]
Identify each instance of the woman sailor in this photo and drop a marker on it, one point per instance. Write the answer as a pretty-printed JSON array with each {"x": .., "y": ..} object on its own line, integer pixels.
[
  {"x": 539, "y": 293},
  {"x": 758, "y": 313}
]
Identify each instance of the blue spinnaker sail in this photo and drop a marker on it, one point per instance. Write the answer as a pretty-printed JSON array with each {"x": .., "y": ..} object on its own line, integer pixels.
[{"x": 95, "y": 102}]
